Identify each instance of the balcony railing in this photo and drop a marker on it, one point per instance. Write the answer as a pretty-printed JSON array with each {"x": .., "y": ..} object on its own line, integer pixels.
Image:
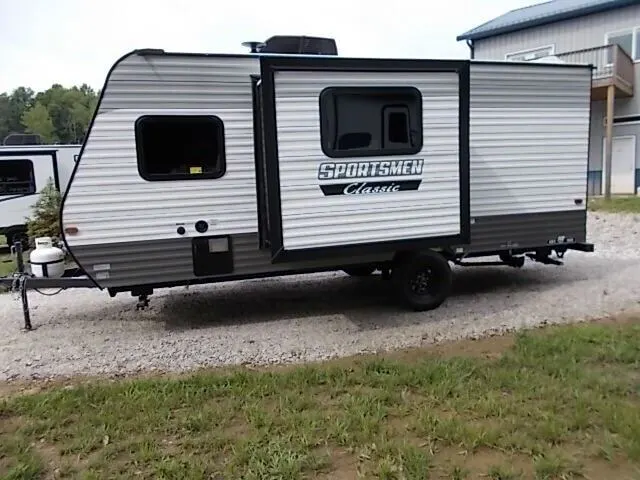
[{"x": 612, "y": 66}]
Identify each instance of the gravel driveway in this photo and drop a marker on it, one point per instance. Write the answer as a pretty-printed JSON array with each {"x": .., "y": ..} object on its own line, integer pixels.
[{"x": 317, "y": 317}]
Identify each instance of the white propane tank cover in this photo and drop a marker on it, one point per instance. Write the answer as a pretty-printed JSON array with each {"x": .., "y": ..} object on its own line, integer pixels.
[
  {"x": 43, "y": 242},
  {"x": 46, "y": 260}
]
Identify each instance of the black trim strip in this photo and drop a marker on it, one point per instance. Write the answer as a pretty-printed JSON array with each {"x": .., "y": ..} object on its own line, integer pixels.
[
  {"x": 259, "y": 163},
  {"x": 47, "y": 263},
  {"x": 56, "y": 174},
  {"x": 270, "y": 65},
  {"x": 12, "y": 153},
  {"x": 586, "y": 196},
  {"x": 2, "y": 199},
  {"x": 628, "y": 119}
]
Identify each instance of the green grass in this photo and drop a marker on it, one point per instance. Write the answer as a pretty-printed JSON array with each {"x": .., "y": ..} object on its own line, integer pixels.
[
  {"x": 556, "y": 403},
  {"x": 626, "y": 204},
  {"x": 7, "y": 264}
]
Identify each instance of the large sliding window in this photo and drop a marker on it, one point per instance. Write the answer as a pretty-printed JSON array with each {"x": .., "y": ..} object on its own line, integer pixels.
[{"x": 370, "y": 121}]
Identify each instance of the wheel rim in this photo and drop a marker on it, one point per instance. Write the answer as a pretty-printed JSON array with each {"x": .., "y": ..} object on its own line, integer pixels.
[{"x": 422, "y": 282}]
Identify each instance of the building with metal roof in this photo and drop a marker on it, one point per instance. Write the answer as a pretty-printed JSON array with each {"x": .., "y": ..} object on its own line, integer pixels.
[
  {"x": 602, "y": 33},
  {"x": 542, "y": 14}
]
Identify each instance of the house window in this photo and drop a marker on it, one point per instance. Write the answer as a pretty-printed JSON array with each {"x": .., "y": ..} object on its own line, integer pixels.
[
  {"x": 174, "y": 147},
  {"x": 628, "y": 40},
  {"x": 16, "y": 177},
  {"x": 530, "y": 54},
  {"x": 370, "y": 121}
]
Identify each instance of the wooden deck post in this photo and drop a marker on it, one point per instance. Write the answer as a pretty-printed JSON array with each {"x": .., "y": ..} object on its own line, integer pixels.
[{"x": 611, "y": 93}]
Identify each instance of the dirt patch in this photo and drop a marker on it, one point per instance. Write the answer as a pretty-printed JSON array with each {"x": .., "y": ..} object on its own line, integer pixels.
[
  {"x": 344, "y": 466},
  {"x": 480, "y": 463}
]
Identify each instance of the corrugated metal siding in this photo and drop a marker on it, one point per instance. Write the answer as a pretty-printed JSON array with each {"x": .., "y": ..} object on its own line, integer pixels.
[
  {"x": 567, "y": 36},
  {"x": 312, "y": 220},
  {"x": 143, "y": 263},
  {"x": 108, "y": 200},
  {"x": 526, "y": 230},
  {"x": 529, "y": 137}
]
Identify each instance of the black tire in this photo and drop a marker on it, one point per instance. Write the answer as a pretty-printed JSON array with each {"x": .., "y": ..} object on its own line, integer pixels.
[
  {"x": 422, "y": 280},
  {"x": 359, "y": 270}
]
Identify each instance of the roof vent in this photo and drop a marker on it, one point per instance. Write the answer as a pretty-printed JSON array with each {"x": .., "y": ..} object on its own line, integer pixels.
[
  {"x": 290, "y": 44},
  {"x": 254, "y": 47}
]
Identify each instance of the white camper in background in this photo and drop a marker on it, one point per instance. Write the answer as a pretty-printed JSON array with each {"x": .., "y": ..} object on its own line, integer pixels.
[
  {"x": 24, "y": 171},
  {"x": 202, "y": 168}
]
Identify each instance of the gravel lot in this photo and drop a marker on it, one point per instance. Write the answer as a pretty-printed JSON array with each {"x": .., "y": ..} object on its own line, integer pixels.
[{"x": 317, "y": 317}]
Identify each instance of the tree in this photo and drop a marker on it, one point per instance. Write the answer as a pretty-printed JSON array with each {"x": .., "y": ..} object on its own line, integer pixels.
[
  {"x": 37, "y": 120},
  {"x": 68, "y": 112},
  {"x": 20, "y": 100},
  {"x": 4, "y": 116},
  {"x": 45, "y": 219}
]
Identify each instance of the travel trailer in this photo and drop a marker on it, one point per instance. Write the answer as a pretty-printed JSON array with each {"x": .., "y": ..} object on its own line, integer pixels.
[
  {"x": 202, "y": 168},
  {"x": 24, "y": 172}
]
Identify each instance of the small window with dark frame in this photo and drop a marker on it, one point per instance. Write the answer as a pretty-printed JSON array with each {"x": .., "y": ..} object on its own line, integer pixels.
[
  {"x": 180, "y": 147},
  {"x": 17, "y": 177},
  {"x": 370, "y": 121}
]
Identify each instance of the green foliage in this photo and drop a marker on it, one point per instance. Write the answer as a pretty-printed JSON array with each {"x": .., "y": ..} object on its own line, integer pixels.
[
  {"x": 617, "y": 204},
  {"x": 58, "y": 114},
  {"x": 37, "y": 120},
  {"x": 45, "y": 220}
]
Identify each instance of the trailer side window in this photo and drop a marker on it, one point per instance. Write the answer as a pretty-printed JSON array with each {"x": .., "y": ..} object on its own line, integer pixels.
[
  {"x": 180, "y": 147},
  {"x": 370, "y": 121},
  {"x": 17, "y": 177}
]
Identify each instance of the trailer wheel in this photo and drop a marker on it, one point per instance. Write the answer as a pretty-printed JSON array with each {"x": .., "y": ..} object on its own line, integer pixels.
[
  {"x": 422, "y": 280},
  {"x": 359, "y": 270}
]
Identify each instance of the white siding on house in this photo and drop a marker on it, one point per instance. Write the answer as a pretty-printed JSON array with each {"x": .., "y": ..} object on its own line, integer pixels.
[
  {"x": 529, "y": 138},
  {"x": 570, "y": 35},
  {"x": 310, "y": 219}
]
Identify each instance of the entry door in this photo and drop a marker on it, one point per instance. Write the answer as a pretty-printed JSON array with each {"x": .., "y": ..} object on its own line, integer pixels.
[{"x": 623, "y": 165}]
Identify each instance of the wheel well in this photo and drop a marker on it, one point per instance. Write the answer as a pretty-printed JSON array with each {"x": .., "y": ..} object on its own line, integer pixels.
[{"x": 401, "y": 255}]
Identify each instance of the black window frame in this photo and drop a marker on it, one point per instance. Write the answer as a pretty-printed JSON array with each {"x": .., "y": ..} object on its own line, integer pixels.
[
  {"x": 32, "y": 181},
  {"x": 219, "y": 172},
  {"x": 328, "y": 130}
]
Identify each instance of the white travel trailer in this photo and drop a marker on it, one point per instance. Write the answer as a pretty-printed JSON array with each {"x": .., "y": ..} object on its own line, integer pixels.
[
  {"x": 202, "y": 168},
  {"x": 24, "y": 171}
]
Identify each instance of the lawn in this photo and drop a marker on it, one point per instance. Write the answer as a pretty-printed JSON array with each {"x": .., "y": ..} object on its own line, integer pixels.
[
  {"x": 7, "y": 264},
  {"x": 625, "y": 204},
  {"x": 559, "y": 402}
]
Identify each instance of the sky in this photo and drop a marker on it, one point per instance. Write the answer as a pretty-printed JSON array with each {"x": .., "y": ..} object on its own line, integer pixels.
[{"x": 76, "y": 41}]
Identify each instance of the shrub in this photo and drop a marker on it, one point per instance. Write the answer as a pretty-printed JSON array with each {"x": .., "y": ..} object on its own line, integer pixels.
[{"x": 45, "y": 219}]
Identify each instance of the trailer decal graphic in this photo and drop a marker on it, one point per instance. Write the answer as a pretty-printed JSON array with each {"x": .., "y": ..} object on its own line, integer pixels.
[{"x": 371, "y": 169}]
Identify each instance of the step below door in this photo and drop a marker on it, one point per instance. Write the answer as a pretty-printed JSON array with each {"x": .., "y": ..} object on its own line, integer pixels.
[{"x": 365, "y": 157}]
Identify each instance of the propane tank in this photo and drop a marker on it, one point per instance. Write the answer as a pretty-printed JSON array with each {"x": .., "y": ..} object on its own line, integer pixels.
[{"x": 46, "y": 260}]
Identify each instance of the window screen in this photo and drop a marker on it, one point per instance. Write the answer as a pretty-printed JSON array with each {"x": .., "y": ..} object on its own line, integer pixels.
[
  {"x": 16, "y": 177},
  {"x": 180, "y": 147},
  {"x": 370, "y": 121}
]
